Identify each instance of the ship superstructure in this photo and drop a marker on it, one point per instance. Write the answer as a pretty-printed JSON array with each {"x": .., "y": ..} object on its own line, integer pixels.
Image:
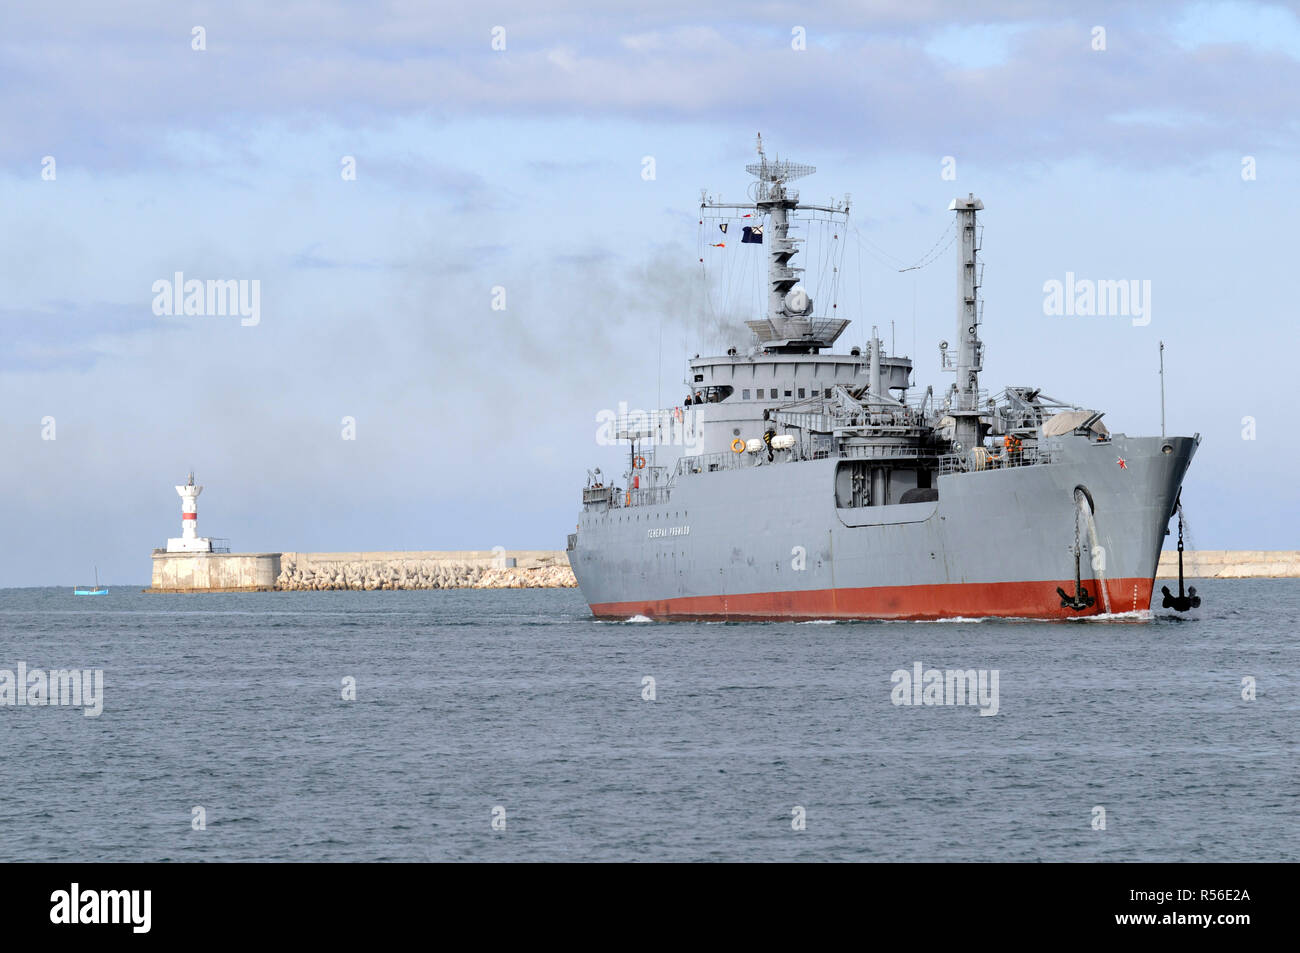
[{"x": 821, "y": 485}]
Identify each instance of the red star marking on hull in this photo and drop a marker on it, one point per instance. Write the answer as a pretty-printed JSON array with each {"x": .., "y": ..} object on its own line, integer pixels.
[{"x": 1122, "y": 464}]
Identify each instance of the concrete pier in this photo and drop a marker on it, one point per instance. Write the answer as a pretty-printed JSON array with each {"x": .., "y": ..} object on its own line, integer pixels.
[{"x": 214, "y": 572}]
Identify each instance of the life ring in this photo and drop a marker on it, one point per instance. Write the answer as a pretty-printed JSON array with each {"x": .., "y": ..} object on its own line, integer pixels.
[
  {"x": 639, "y": 463},
  {"x": 737, "y": 446}
]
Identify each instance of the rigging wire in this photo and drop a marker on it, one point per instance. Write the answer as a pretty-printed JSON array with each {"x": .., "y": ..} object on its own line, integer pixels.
[
  {"x": 823, "y": 256},
  {"x": 734, "y": 289},
  {"x": 931, "y": 256},
  {"x": 875, "y": 251},
  {"x": 878, "y": 251},
  {"x": 862, "y": 311},
  {"x": 838, "y": 267}
]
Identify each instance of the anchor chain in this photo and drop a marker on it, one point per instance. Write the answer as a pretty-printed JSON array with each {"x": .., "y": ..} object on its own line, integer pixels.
[
  {"x": 1080, "y": 600},
  {"x": 1184, "y": 600}
]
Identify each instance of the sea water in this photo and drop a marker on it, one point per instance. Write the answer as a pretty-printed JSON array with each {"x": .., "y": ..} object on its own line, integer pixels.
[{"x": 510, "y": 725}]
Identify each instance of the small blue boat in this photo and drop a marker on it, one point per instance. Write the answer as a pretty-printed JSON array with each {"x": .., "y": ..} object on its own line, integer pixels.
[{"x": 97, "y": 590}]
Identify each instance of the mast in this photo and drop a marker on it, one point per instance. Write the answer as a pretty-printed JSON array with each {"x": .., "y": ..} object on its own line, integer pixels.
[
  {"x": 875, "y": 362},
  {"x": 966, "y": 409},
  {"x": 773, "y": 199},
  {"x": 788, "y": 326},
  {"x": 1162, "y": 388}
]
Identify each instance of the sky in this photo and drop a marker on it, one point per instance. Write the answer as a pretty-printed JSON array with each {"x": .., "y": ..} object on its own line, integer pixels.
[{"x": 1154, "y": 142}]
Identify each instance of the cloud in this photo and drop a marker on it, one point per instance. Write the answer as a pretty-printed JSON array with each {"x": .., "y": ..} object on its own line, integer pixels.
[
  {"x": 67, "y": 335},
  {"x": 1015, "y": 79},
  {"x": 311, "y": 257}
]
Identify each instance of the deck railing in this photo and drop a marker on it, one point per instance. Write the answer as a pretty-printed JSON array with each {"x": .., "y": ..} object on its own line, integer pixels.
[
  {"x": 883, "y": 452},
  {"x": 708, "y": 462},
  {"x": 948, "y": 463},
  {"x": 1026, "y": 457}
]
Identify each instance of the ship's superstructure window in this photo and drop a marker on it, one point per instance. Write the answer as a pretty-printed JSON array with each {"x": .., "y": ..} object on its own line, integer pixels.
[
  {"x": 713, "y": 395},
  {"x": 827, "y": 393},
  {"x": 801, "y": 393},
  {"x": 787, "y": 394},
  {"x": 744, "y": 394}
]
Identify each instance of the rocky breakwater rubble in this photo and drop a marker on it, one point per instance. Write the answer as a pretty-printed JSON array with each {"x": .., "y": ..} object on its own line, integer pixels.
[{"x": 469, "y": 569}]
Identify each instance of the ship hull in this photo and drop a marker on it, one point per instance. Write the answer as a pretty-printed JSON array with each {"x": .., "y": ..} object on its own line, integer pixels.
[
  {"x": 768, "y": 542},
  {"x": 1030, "y": 600}
]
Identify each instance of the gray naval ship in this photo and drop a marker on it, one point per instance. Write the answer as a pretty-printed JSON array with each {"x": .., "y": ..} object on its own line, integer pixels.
[{"x": 799, "y": 483}]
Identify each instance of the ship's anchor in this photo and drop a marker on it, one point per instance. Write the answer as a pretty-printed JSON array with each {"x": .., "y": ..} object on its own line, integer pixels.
[
  {"x": 1181, "y": 602},
  {"x": 1080, "y": 600}
]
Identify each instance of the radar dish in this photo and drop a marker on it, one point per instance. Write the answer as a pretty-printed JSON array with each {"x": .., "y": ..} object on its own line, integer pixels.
[
  {"x": 773, "y": 174},
  {"x": 779, "y": 170}
]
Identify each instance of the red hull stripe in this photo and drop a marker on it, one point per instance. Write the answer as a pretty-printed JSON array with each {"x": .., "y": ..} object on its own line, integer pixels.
[{"x": 1031, "y": 600}]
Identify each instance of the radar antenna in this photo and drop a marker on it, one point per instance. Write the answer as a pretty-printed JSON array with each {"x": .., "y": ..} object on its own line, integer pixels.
[{"x": 773, "y": 174}]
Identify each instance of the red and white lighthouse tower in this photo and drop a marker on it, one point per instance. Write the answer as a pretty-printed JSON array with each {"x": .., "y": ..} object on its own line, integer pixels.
[{"x": 189, "y": 541}]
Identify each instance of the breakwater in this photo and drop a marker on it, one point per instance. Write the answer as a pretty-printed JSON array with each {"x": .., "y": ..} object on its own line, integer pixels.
[
  {"x": 461, "y": 569},
  {"x": 549, "y": 569},
  {"x": 1232, "y": 564},
  {"x": 533, "y": 569}
]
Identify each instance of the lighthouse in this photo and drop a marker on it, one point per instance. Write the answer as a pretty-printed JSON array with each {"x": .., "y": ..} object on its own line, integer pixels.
[
  {"x": 194, "y": 563},
  {"x": 189, "y": 541}
]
